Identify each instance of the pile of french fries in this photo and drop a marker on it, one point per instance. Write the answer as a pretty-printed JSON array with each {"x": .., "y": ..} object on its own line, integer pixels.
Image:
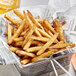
[{"x": 34, "y": 38}]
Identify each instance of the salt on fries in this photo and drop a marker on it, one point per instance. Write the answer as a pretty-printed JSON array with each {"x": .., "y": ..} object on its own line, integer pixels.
[{"x": 34, "y": 38}]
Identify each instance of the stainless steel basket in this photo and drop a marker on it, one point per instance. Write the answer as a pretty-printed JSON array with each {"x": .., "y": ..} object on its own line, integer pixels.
[{"x": 57, "y": 62}]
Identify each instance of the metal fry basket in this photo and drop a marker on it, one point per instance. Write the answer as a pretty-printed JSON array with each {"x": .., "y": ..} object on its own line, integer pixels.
[{"x": 56, "y": 62}]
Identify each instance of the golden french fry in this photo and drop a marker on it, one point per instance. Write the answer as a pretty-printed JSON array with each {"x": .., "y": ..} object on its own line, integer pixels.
[
  {"x": 54, "y": 24},
  {"x": 10, "y": 19},
  {"x": 43, "y": 55},
  {"x": 63, "y": 23},
  {"x": 19, "y": 43},
  {"x": 9, "y": 31},
  {"x": 33, "y": 49},
  {"x": 25, "y": 32},
  {"x": 24, "y": 57},
  {"x": 23, "y": 53},
  {"x": 43, "y": 39},
  {"x": 60, "y": 45},
  {"x": 27, "y": 37},
  {"x": 6, "y": 34},
  {"x": 14, "y": 49},
  {"x": 40, "y": 20},
  {"x": 17, "y": 32},
  {"x": 37, "y": 32},
  {"x": 54, "y": 46},
  {"x": 18, "y": 21},
  {"x": 38, "y": 17},
  {"x": 37, "y": 43},
  {"x": 73, "y": 45},
  {"x": 31, "y": 24},
  {"x": 60, "y": 30},
  {"x": 44, "y": 33},
  {"x": 28, "y": 19},
  {"x": 26, "y": 26},
  {"x": 19, "y": 39},
  {"x": 27, "y": 44},
  {"x": 18, "y": 13},
  {"x": 34, "y": 21},
  {"x": 46, "y": 45},
  {"x": 29, "y": 13},
  {"x": 25, "y": 61},
  {"x": 62, "y": 49},
  {"x": 47, "y": 25},
  {"x": 14, "y": 30},
  {"x": 50, "y": 33}
]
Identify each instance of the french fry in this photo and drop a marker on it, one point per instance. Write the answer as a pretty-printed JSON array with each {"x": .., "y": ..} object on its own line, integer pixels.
[
  {"x": 42, "y": 50},
  {"x": 23, "y": 53},
  {"x": 26, "y": 26},
  {"x": 54, "y": 24},
  {"x": 6, "y": 34},
  {"x": 43, "y": 55},
  {"x": 62, "y": 49},
  {"x": 14, "y": 30},
  {"x": 34, "y": 21},
  {"x": 19, "y": 39},
  {"x": 27, "y": 37},
  {"x": 72, "y": 46},
  {"x": 25, "y": 61},
  {"x": 24, "y": 32},
  {"x": 28, "y": 44},
  {"x": 60, "y": 30},
  {"x": 44, "y": 33},
  {"x": 17, "y": 32},
  {"x": 40, "y": 20},
  {"x": 54, "y": 46},
  {"x": 14, "y": 49},
  {"x": 43, "y": 39},
  {"x": 31, "y": 24},
  {"x": 9, "y": 30},
  {"x": 18, "y": 44},
  {"x": 50, "y": 33},
  {"x": 37, "y": 43},
  {"x": 18, "y": 13},
  {"x": 18, "y": 21},
  {"x": 24, "y": 57},
  {"x": 28, "y": 19},
  {"x": 59, "y": 45},
  {"x": 33, "y": 49},
  {"x": 29, "y": 13},
  {"x": 63, "y": 23},
  {"x": 37, "y": 32},
  {"x": 38, "y": 17},
  {"x": 47, "y": 25},
  {"x": 10, "y": 19}
]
